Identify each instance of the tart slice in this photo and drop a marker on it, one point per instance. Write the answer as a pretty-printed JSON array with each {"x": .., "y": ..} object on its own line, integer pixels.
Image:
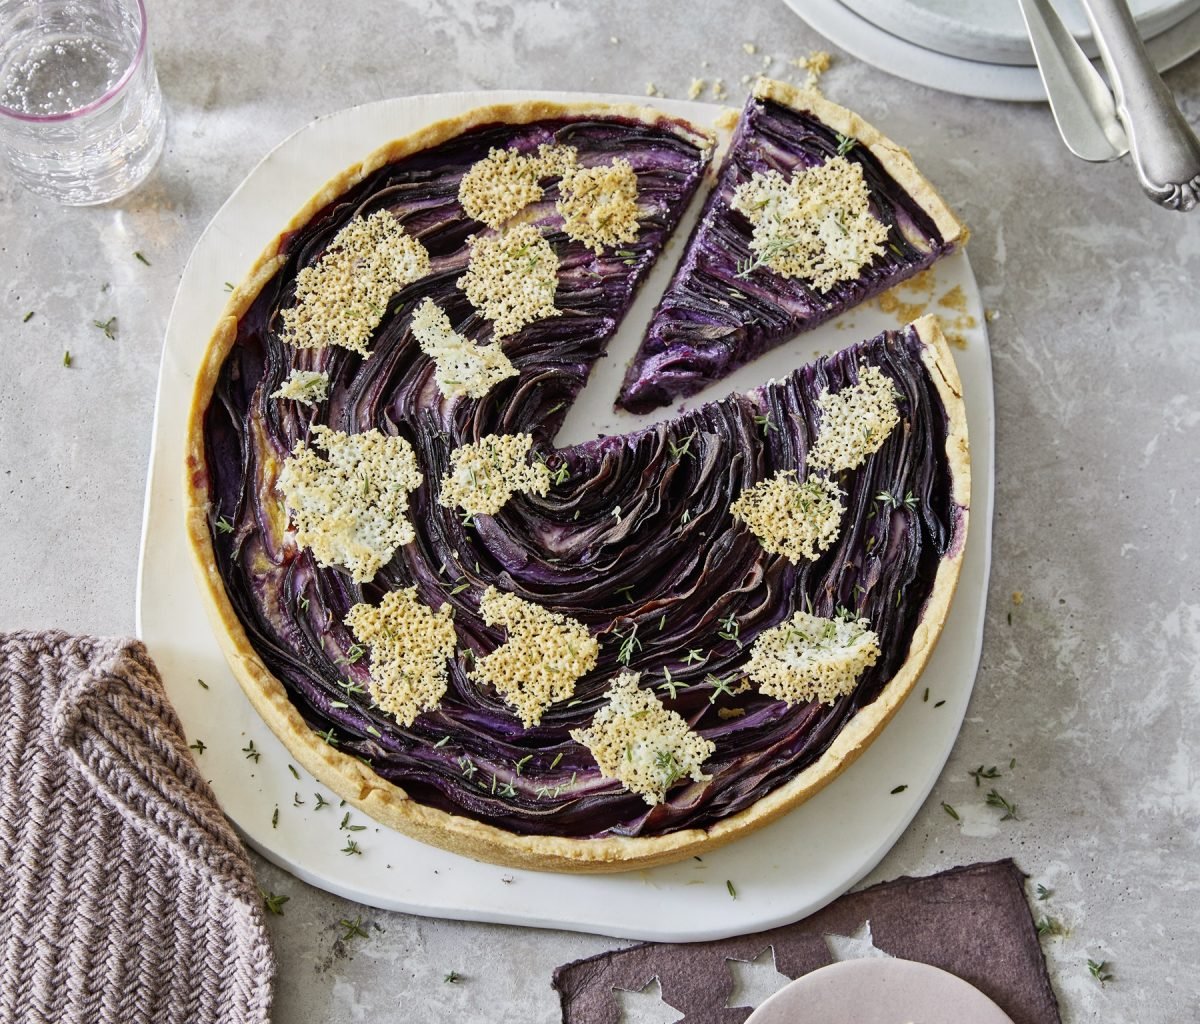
[{"x": 814, "y": 211}]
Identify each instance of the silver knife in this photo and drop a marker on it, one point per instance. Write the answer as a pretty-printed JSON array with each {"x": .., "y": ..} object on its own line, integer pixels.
[{"x": 1082, "y": 105}]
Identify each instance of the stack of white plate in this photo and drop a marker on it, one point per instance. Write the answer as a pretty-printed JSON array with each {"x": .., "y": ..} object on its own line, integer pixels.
[{"x": 979, "y": 47}]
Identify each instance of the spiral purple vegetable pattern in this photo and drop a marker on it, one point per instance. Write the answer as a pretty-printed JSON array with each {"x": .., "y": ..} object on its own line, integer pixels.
[{"x": 635, "y": 539}]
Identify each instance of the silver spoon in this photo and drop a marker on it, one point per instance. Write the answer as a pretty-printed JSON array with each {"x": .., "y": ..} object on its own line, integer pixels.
[
  {"x": 1165, "y": 150},
  {"x": 1142, "y": 118}
]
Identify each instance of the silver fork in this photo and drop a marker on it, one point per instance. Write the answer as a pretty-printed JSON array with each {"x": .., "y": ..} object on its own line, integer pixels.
[{"x": 1141, "y": 118}]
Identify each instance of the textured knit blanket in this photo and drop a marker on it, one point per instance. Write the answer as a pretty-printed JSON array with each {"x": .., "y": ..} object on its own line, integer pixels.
[{"x": 125, "y": 896}]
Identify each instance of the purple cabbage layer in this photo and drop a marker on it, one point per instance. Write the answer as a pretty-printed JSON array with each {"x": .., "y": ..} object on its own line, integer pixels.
[
  {"x": 710, "y": 321},
  {"x": 639, "y": 536}
]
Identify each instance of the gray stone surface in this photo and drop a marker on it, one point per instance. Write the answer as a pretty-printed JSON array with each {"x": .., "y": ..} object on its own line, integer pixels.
[{"x": 1093, "y": 686}]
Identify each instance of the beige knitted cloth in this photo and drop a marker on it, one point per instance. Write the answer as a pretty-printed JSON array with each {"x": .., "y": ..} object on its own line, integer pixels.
[{"x": 125, "y": 896}]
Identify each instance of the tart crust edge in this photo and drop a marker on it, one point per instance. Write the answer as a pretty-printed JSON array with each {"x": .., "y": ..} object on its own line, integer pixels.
[{"x": 349, "y": 778}]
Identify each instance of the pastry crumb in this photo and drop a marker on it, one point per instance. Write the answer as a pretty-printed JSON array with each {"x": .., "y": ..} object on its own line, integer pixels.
[
  {"x": 1018, "y": 598},
  {"x": 815, "y": 64},
  {"x": 991, "y": 315},
  {"x": 718, "y": 89},
  {"x": 750, "y": 48},
  {"x": 696, "y": 88},
  {"x": 652, "y": 89},
  {"x": 955, "y": 299}
]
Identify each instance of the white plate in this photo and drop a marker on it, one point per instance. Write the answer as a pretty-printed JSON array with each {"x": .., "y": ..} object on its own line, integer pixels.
[
  {"x": 879, "y": 990},
  {"x": 985, "y": 30},
  {"x": 898, "y": 57},
  {"x": 781, "y": 873}
]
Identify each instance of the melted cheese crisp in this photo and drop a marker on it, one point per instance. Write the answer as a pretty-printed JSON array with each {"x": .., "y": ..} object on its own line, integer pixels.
[
  {"x": 410, "y": 645},
  {"x": 810, "y": 658},
  {"x": 599, "y": 204},
  {"x": 484, "y": 475},
  {"x": 351, "y": 509},
  {"x": 341, "y": 299},
  {"x": 797, "y": 520},
  {"x": 460, "y": 366},
  {"x": 543, "y": 657},
  {"x": 855, "y": 421},
  {"x": 305, "y": 386},
  {"x": 636, "y": 740},
  {"x": 511, "y": 278},
  {"x": 816, "y": 225},
  {"x": 504, "y": 182}
]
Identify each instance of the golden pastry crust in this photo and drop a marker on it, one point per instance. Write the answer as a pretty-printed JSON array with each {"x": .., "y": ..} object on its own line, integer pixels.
[{"x": 352, "y": 780}]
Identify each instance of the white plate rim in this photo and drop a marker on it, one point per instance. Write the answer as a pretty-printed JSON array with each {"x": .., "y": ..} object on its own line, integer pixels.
[
  {"x": 977, "y": 79},
  {"x": 961, "y": 35},
  {"x": 182, "y": 644},
  {"x": 848, "y": 973}
]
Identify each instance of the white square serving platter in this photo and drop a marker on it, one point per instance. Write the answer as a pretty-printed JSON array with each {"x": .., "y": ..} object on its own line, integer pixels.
[{"x": 781, "y": 873}]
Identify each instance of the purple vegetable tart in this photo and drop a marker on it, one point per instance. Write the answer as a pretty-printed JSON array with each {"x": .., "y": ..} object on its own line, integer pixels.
[
  {"x": 814, "y": 211},
  {"x": 590, "y": 658}
]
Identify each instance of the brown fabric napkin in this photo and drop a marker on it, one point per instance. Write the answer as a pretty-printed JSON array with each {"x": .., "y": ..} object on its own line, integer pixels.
[
  {"x": 972, "y": 921},
  {"x": 125, "y": 896}
]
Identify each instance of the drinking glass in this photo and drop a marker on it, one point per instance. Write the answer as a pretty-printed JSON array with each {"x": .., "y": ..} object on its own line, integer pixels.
[{"x": 81, "y": 115}]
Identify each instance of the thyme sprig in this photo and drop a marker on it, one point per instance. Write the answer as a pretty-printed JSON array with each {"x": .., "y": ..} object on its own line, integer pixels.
[
  {"x": 630, "y": 644},
  {"x": 777, "y": 246},
  {"x": 1099, "y": 970},
  {"x": 353, "y": 929},
  {"x": 730, "y": 628},
  {"x": 845, "y": 143},
  {"x": 887, "y": 498},
  {"x": 273, "y": 902},
  {"x": 684, "y": 448},
  {"x": 251, "y": 752},
  {"x": 984, "y": 773},
  {"x": 994, "y": 799},
  {"x": 109, "y": 327},
  {"x": 764, "y": 422},
  {"x": 720, "y": 686}
]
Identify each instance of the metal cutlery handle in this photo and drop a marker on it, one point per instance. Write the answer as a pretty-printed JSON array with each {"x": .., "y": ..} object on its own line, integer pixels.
[{"x": 1165, "y": 150}]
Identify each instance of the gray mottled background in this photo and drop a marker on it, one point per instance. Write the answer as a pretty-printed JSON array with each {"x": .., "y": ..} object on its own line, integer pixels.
[{"x": 1094, "y": 684}]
